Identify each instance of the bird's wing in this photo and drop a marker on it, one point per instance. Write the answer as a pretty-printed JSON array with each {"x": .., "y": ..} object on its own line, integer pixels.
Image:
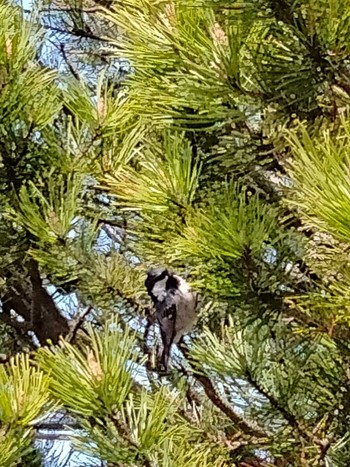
[{"x": 166, "y": 316}]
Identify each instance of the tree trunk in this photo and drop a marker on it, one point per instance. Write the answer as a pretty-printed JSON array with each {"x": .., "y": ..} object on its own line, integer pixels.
[{"x": 31, "y": 301}]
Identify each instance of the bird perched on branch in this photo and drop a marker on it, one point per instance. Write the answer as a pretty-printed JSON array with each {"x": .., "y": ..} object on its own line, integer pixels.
[{"x": 175, "y": 307}]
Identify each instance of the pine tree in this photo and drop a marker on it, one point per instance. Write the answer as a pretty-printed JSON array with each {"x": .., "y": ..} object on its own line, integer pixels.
[{"x": 210, "y": 137}]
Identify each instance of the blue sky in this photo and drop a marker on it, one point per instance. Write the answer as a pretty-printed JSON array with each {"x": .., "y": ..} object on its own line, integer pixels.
[{"x": 26, "y": 4}]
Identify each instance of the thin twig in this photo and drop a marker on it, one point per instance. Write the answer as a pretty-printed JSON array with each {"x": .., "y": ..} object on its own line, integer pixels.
[
  {"x": 77, "y": 324},
  {"x": 77, "y": 33},
  {"x": 94, "y": 9},
  {"x": 70, "y": 66}
]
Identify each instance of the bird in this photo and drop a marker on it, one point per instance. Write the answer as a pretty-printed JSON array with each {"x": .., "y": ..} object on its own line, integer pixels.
[{"x": 175, "y": 307}]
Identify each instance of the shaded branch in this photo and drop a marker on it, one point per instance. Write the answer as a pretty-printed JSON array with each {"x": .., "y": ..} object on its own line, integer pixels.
[
  {"x": 94, "y": 9},
  {"x": 21, "y": 326},
  {"x": 13, "y": 301},
  {"x": 77, "y": 324},
  {"x": 77, "y": 33},
  {"x": 30, "y": 300},
  {"x": 324, "y": 444},
  {"x": 68, "y": 63},
  {"x": 212, "y": 394},
  {"x": 48, "y": 323},
  {"x": 113, "y": 223}
]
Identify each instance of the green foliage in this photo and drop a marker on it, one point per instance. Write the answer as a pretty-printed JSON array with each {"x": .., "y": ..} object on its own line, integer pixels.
[
  {"x": 97, "y": 385},
  {"x": 173, "y": 48},
  {"x": 197, "y": 162},
  {"x": 100, "y": 369},
  {"x": 18, "y": 44},
  {"x": 228, "y": 226},
  {"x": 320, "y": 171},
  {"x": 24, "y": 391},
  {"x": 166, "y": 177},
  {"x": 275, "y": 386},
  {"x": 102, "y": 113},
  {"x": 24, "y": 396},
  {"x": 49, "y": 217}
]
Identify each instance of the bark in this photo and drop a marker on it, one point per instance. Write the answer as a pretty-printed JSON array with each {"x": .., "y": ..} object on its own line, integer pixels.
[{"x": 31, "y": 301}]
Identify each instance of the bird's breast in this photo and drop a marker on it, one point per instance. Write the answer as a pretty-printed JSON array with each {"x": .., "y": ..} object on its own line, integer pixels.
[{"x": 186, "y": 315}]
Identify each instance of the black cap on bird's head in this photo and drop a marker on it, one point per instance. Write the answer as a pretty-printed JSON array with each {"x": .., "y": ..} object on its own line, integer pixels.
[
  {"x": 159, "y": 281},
  {"x": 155, "y": 275}
]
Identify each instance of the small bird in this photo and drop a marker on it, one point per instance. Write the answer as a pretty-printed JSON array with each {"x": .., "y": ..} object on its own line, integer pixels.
[{"x": 175, "y": 307}]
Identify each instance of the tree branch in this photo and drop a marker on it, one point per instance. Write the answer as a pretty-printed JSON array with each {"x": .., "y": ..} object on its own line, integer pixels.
[
  {"x": 77, "y": 33},
  {"x": 212, "y": 394},
  {"x": 125, "y": 433},
  {"x": 70, "y": 66},
  {"x": 94, "y": 9},
  {"x": 304, "y": 432},
  {"x": 77, "y": 324}
]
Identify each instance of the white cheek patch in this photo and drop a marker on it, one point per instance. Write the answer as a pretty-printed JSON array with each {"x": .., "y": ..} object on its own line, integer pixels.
[
  {"x": 159, "y": 289},
  {"x": 183, "y": 287}
]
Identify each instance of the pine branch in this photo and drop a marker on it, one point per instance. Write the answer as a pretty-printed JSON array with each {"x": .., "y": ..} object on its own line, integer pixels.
[
  {"x": 20, "y": 326},
  {"x": 70, "y": 66},
  {"x": 289, "y": 417},
  {"x": 304, "y": 432},
  {"x": 125, "y": 433},
  {"x": 212, "y": 394},
  {"x": 77, "y": 33},
  {"x": 285, "y": 11},
  {"x": 94, "y": 9}
]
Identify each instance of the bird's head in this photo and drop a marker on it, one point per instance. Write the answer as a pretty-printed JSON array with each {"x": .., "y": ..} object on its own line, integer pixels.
[
  {"x": 158, "y": 273},
  {"x": 155, "y": 275}
]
